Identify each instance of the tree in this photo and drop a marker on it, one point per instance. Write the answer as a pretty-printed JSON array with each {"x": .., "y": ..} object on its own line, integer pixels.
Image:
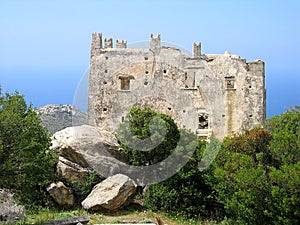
[
  {"x": 147, "y": 137},
  {"x": 26, "y": 164}
]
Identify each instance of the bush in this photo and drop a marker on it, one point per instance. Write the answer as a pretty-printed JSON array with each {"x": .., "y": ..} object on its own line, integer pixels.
[
  {"x": 147, "y": 137},
  {"x": 187, "y": 193},
  {"x": 26, "y": 164},
  {"x": 258, "y": 173}
]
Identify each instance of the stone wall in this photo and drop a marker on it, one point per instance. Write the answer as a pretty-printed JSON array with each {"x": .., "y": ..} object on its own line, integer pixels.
[{"x": 218, "y": 94}]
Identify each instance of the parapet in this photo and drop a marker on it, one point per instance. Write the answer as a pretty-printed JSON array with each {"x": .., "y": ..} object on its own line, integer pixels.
[
  {"x": 197, "y": 50},
  {"x": 121, "y": 44},
  {"x": 96, "y": 43},
  {"x": 155, "y": 44},
  {"x": 108, "y": 43}
]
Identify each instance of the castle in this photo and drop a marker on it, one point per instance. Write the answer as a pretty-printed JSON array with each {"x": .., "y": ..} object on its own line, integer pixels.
[{"x": 210, "y": 94}]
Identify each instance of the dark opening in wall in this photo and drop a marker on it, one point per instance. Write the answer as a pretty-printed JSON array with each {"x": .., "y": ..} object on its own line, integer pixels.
[
  {"x": 105, "y": 71},
  {"x": 104, "y": 82},
  {"x": 125, "y": 82},
  {"x": 123, "y": 118},
  {"x": 165, "y": 71},
  {"x": 230, "y": 82},
  {"x": 106, "y": 58},
  {"x": 250, "y": 86},
  {"x": 146, "y": 72},
  {"x": 169, "y": 108},
  {"x": 250, "y": 115},
  {"x": 104, "y": 109},
  {"x": 146, "y": 58},
  {"x": 203, "y": 121}
]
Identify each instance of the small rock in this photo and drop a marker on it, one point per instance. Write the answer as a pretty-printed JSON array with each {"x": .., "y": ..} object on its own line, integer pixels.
[{"x": 61, "y": 194}]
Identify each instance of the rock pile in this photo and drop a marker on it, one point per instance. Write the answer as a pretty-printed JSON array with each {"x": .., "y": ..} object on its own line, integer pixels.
[{"x": 84, "y": 150}]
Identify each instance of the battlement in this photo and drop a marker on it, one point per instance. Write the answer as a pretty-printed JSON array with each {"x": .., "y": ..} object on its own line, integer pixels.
[
  {"x": 121, "y": 43},
  {"x": 197, "y": 50},
  {"x": 155, "y": 43}
]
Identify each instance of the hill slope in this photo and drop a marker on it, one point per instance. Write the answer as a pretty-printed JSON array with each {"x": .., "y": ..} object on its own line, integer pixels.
[{"x": 57, "y": 117}]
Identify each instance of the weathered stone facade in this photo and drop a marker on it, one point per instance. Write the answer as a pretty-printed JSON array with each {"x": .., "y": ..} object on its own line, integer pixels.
[{"x": 219, "y": 94}]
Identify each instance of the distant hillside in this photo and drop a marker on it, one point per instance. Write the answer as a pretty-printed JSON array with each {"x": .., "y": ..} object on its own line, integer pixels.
[{"x": 57, "y": 117}]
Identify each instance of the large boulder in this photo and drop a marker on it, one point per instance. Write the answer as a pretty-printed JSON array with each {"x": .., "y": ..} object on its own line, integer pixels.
[
  {"x": 61, "y": 194},
  {"x": 89, "y": 147},
  {"x": 111, "y": 194}
]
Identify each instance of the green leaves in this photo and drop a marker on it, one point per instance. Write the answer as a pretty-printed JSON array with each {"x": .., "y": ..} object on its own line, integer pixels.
[
  {"x": 147, "y": 137},
  {"x": 26, "y": 165},
  {"x": 258, "y": 173}
]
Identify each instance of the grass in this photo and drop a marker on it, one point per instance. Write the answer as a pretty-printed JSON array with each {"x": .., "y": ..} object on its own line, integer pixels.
[{"x": 126, "y": 215}]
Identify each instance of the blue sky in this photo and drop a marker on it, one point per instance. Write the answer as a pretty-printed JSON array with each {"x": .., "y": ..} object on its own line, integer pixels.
[{"x": 45, "y": 45}]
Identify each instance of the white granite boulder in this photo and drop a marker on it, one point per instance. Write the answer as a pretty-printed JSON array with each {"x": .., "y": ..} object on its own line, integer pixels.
[
  {"x": 111, "y": 194},
  {"x": 89, "y": 147}
]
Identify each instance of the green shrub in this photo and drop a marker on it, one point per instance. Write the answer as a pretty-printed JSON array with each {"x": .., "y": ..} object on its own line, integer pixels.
[
  {"x": 26, "y": 164},
  {"x": 258, "y": 173},
  {"x": 187, "y": 193},
  {"x": 137, "y": 127}
]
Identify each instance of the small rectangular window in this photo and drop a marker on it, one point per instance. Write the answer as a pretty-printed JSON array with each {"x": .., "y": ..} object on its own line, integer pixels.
[{"x": 125, "y": 84}]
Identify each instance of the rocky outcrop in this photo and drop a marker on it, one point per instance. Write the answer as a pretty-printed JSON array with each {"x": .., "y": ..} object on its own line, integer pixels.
[
  {"x": 57, "y": 117},
  {"x": 89, "y": 147},
  {"x": 71, "y": 171},
  {"x": 61, "y": 194},
  {"x": 111, "y": 194},
  {"x": 10, "y": 211}
]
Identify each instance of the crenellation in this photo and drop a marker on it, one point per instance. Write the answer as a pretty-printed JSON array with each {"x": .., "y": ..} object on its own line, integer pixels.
[
  {"x": 155, "y": 43},
  {"x": 121, "y": 43},
  {"x": 210, "y": 94},
  {"x": 96, "y": 44},
  {"x": 108, "y": 43},
  {"x": 197, "y": 50}
]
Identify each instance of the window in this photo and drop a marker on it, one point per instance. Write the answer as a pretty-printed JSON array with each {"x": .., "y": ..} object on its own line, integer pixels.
[
  {"x": 229, "y": 82},
  {"x": 203, "y": 121},
  {"x": 125, "y": 82}
]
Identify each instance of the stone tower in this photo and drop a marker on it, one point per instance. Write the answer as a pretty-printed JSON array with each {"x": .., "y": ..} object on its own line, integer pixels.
[{"x": 210, "y": 94}]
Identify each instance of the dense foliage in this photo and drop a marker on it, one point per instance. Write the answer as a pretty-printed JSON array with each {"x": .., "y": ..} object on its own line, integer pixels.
[
  {"x": 26, "y": 164},
  {"x": 258, "y": 173},
  {"x": 187, "y": 193},
  {"x": 255, "y": 178},
  {"x": 147, "y": 137}
]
